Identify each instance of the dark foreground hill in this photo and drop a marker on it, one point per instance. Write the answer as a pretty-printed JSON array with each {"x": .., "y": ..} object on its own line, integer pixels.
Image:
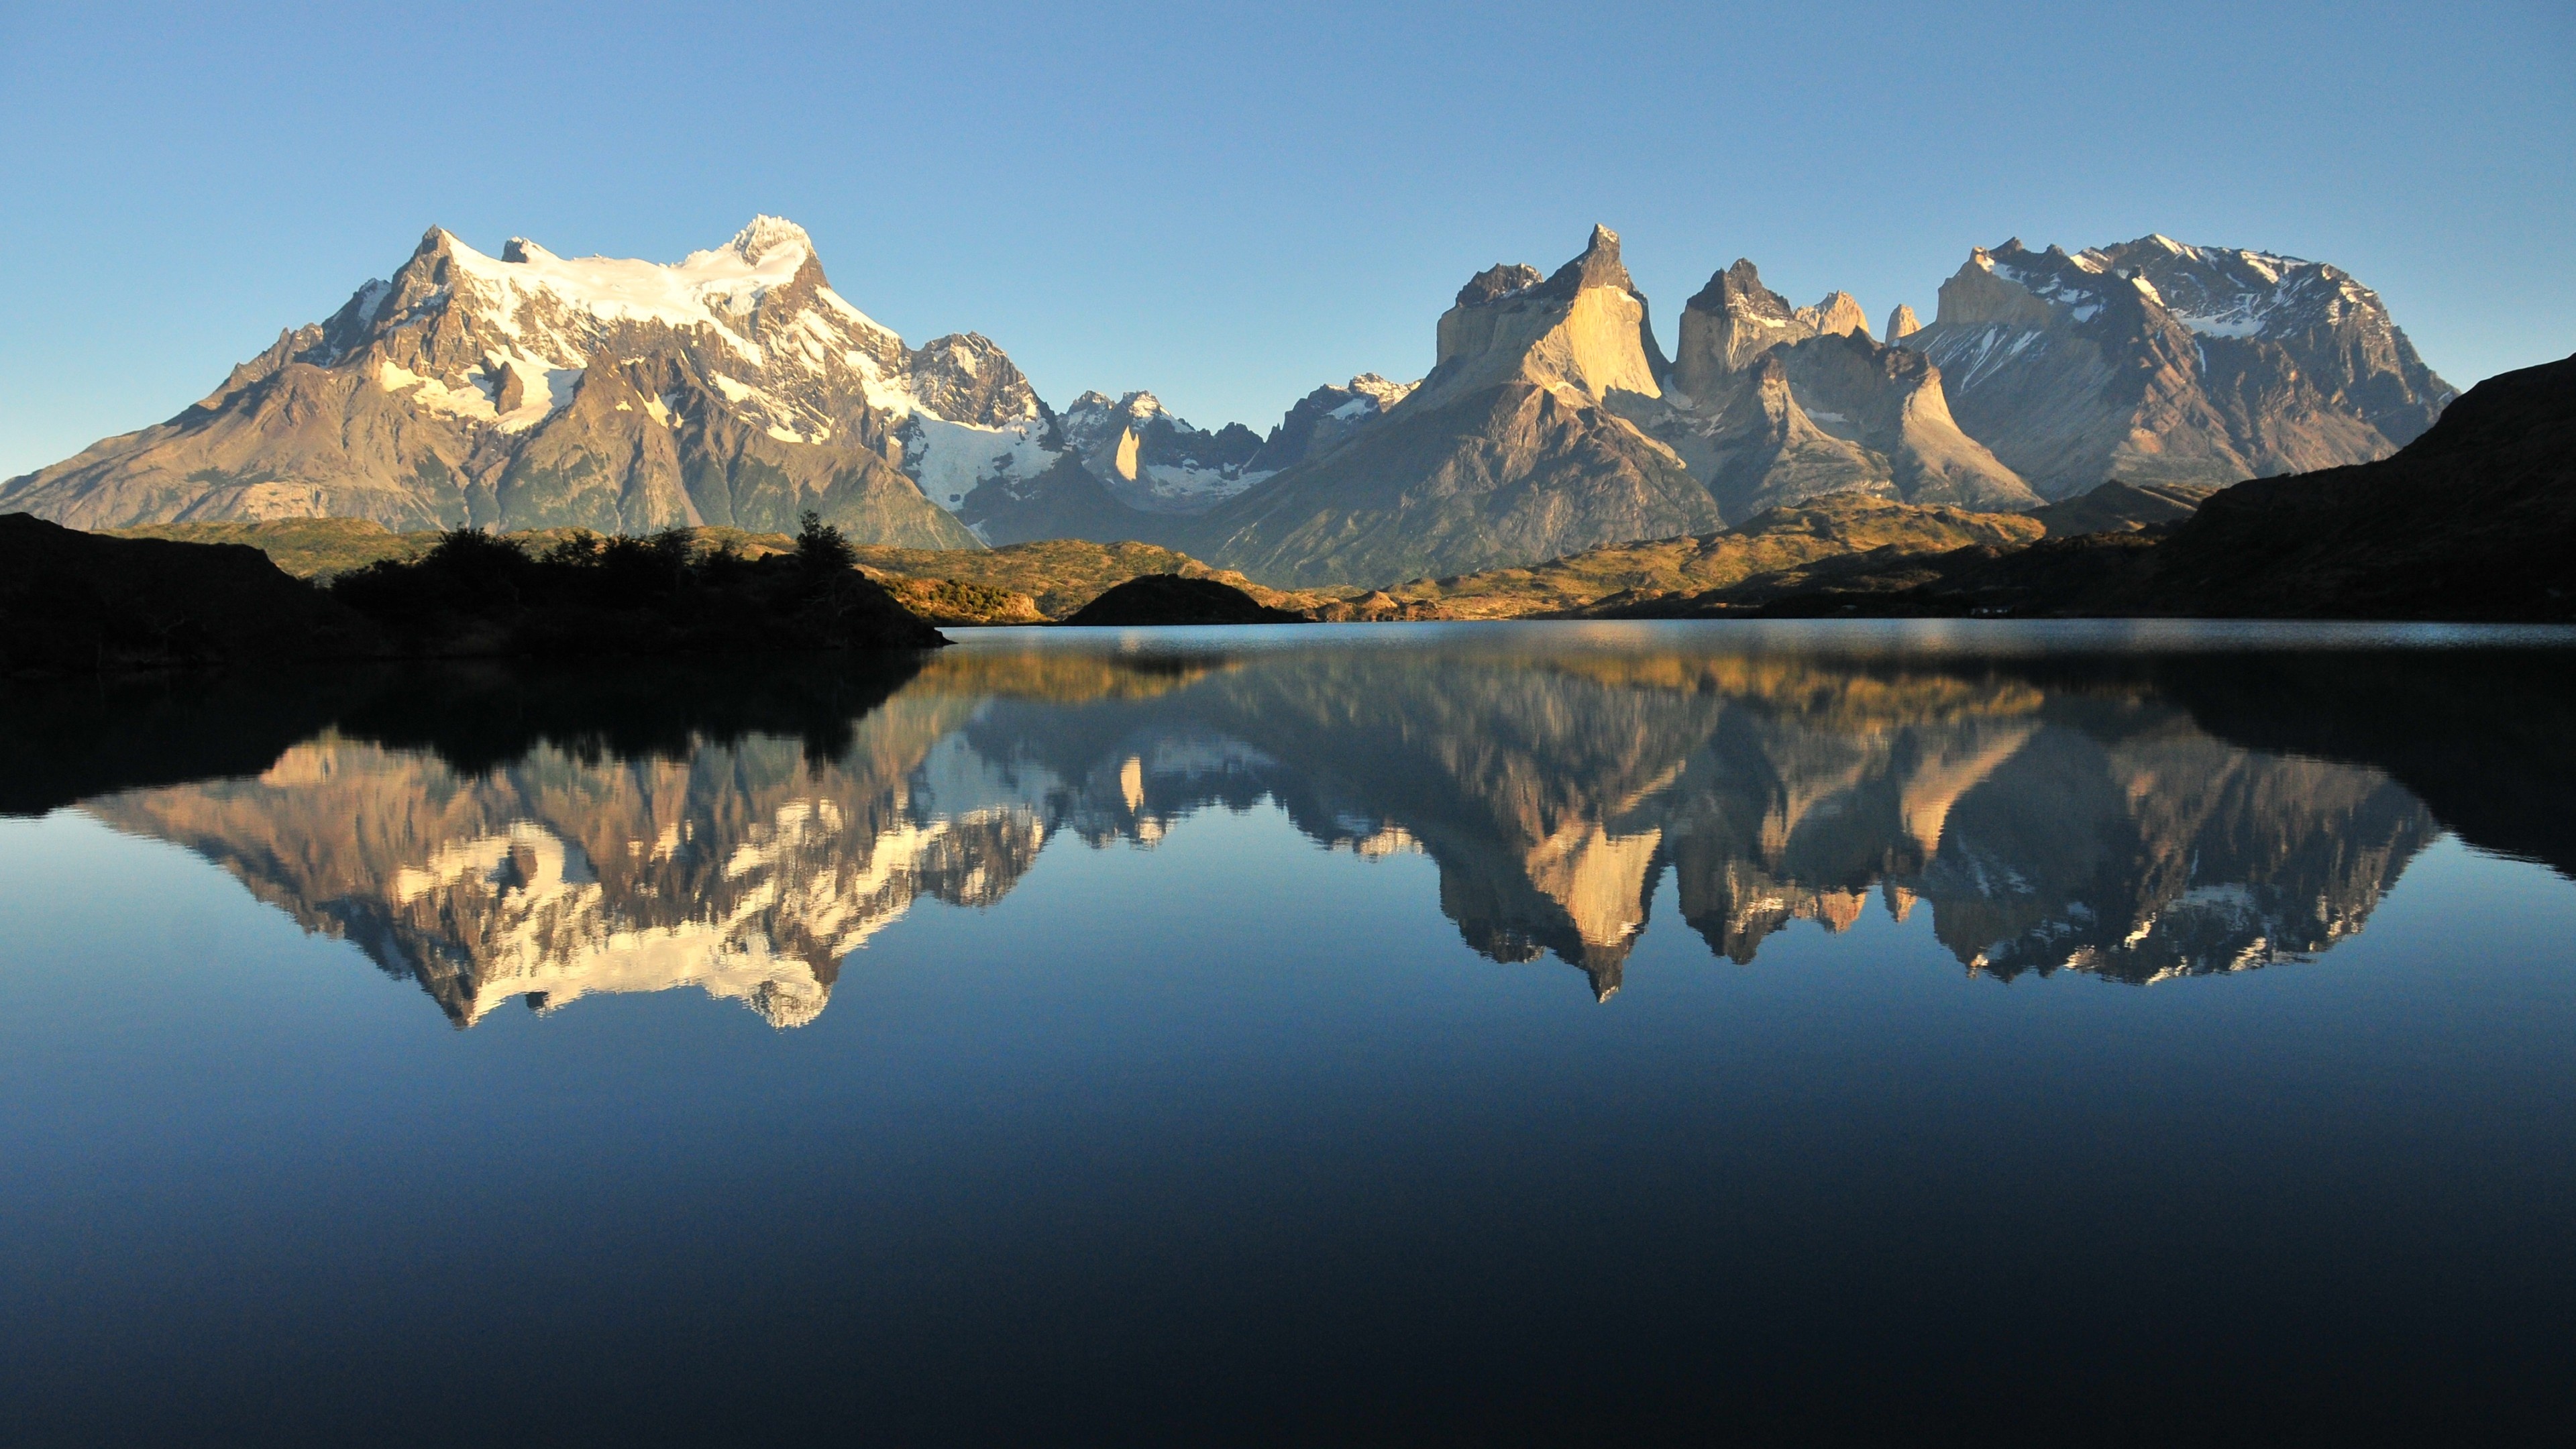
[
  {"x": 72, "y": 602},
  {"x": 1172, "y": 599},
  {"x": 2475, "y": 520}
]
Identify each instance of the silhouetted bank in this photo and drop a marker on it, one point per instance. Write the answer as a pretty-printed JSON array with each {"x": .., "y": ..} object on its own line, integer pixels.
[
  {"x": 1172, "y": 599},
  {"x": 73, "y": 602},
  {"x": 2475, "y": 520}
]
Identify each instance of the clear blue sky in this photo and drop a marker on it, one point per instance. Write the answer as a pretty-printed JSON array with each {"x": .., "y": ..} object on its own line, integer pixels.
[{"x": 1229, "y": 205}]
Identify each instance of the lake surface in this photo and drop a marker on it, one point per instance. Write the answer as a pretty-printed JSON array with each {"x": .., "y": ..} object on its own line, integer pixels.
[{"x": 1510, "y": 1033}]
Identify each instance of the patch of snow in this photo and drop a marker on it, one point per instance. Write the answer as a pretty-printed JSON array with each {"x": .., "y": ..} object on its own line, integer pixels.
[
  {"x": 714, "y": 289},
  {"x": 1192, "y": 485},
  {"x": 948, "y": 460},
  {"x": 437, "y": 396},
  {"x": 2222, "y": 326}
]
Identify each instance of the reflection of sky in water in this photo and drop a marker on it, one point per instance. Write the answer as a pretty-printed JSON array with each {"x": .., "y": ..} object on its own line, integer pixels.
[{"x": 1229, "y": 1071}]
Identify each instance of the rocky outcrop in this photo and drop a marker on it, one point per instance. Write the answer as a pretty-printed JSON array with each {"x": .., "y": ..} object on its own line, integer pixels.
[
  {"x": 1507, "y": 452},
  {"x": 1902, "y": 323},
  {"x": 1838, "y": 315},
  {"x": 1773, "y": 405},
  {"x": 2157, "y": 362}
]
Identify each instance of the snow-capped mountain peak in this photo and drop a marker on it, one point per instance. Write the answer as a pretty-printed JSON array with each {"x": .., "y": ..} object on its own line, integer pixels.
[{"x": 766, "y": 235}]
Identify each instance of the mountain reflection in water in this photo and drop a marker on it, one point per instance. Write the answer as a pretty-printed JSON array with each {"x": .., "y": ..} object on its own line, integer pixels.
[{"x": 2053, "y": 809}]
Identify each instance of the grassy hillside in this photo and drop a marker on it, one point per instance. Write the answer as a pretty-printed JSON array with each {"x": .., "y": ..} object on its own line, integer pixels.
[
  {"x": 305, "y": 547},
  {"x": 1029, "y": 582},
  {"x": 2118, "y": 507},
  {"x": 1783, "y": 538}
]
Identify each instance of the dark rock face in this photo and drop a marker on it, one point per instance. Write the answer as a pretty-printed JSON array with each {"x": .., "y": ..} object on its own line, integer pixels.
[
  {"x": 1497, "y": 281},
  {"x": 1172, "y": 599},
  {"x": 2157, "y": 362}
]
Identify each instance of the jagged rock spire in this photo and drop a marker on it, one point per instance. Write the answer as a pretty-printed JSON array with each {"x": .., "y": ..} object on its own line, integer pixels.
[{"x": 1599, "y": 266}]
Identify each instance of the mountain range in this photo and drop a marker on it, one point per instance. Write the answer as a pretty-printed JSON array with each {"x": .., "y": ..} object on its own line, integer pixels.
[{"x": 736, "y": 388}]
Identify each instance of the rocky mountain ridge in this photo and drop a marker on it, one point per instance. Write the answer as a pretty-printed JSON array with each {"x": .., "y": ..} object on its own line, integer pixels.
[
  {"x": 1507, "y": 451},
  {"x": 2156, "y": 362},
  {"x": 736, "y": 388}
]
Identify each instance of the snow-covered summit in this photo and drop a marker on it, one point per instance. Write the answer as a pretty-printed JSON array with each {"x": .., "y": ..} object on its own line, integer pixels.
[
  {"x": 2236, "y": 292},
  {"x": 717, "y": 288}
]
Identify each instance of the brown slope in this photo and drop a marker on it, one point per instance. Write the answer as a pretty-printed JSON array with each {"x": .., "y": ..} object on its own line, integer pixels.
[
  {"x": 1512, "y": 473},
  {"x": 1838, "y": 525}
]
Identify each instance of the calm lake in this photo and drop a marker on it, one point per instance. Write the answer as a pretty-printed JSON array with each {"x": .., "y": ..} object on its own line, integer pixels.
[{"x": 1462, "y": 1033}]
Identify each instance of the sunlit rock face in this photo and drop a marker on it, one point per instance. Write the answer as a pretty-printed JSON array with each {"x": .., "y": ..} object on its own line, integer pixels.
[
  {"x": 1554, "y": 787},
  {"x": 1508, "y": 452},
  {"x": 1773, "y": 405}
]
